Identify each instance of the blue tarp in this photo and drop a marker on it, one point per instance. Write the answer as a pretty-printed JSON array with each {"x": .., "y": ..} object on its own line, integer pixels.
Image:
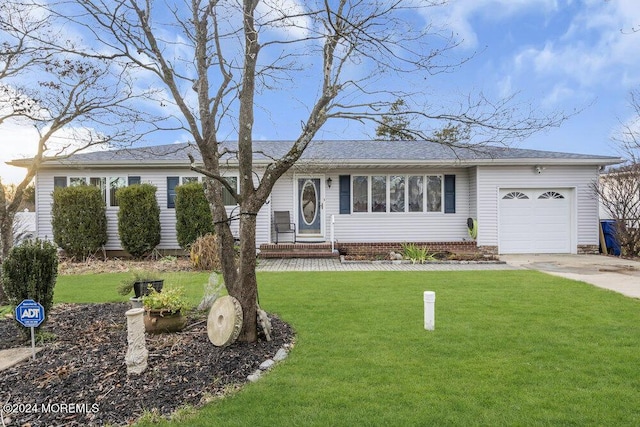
[{"x": 609, "y": 231}]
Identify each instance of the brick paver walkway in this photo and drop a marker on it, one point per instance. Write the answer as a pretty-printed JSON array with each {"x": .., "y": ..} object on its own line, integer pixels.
[{"x": 332, "y": 264}]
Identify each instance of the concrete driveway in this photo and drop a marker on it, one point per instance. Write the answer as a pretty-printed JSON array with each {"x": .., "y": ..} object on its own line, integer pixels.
[{"x": 608, "y": 272}]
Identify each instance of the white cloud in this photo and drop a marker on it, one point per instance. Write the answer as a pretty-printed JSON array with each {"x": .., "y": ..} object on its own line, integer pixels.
[
  {"x": 286, "y": 17},
  {"x": 597, "y": 48},
  {"x": 18, "y": 141},
  {"x": 457, "y": 15},
  {"x": 557, "y": 95}
]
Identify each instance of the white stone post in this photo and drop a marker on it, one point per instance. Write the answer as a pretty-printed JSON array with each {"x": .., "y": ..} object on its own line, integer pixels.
[
  {"x": 137, "y": 353},
  {"x": 429, "y": 310}
]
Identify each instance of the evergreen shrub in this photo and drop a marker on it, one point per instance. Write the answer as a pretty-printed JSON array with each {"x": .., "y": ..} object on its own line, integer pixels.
[
  {"x": 193, "y": 216},
  {"x": 138, "y": 219},
  {"x": 79, "y": 220},
  {"x": 30, "y": 272}
]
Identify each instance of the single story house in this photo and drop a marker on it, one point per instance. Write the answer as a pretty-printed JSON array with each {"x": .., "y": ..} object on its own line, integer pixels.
[{"x": 373, "y": 195}]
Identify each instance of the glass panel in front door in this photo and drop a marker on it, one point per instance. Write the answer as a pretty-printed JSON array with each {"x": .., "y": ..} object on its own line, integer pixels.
[{"x": 309, "y": 200}]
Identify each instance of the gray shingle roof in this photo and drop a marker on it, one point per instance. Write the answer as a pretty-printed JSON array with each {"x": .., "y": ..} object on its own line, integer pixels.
[{"x": 343, "y": 152}]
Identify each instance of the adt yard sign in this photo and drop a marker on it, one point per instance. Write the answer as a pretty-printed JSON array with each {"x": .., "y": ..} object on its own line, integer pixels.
[{"x": 30, "y": 313}]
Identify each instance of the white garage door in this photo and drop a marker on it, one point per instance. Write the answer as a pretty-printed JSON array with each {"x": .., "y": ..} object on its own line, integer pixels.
[{"x": 535, "y": 221}]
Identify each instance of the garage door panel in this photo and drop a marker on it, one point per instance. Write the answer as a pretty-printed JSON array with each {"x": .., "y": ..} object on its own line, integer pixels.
[{"x": 534, "y": 224}]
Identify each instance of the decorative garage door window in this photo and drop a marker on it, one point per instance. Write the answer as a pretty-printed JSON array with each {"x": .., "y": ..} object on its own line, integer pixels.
[
  {"x": 551, "y": 195},
  {"x": 515, "y": 195}
]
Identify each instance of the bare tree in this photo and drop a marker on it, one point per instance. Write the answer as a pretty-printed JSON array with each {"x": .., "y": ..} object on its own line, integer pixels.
[
  {"x": 619, "y": 188},
  {"x": 628, "y": 138},
  {"x": 73, "y": 103},
  {"x": 219, "y": 61},
  {"x": 619, "y": 192}
]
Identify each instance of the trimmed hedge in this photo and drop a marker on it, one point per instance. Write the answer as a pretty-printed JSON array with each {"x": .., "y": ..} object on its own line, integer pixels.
[
  {"x": 138, "y": 219},
  {"x": 193, "y": 216},
  {"x": 30, "y": 271},
  {"x": 79, "y": 220}
]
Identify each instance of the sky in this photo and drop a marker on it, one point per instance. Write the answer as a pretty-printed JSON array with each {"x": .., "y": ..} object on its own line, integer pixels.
[{"x": 558, "y": 55}]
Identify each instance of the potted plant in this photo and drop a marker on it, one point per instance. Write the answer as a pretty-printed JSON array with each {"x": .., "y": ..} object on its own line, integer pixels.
[
  {"x": 163, "y": 311},
  {"x": 141, "y": 282}
]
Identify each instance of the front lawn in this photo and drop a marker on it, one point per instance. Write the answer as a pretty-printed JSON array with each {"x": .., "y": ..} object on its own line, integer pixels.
[
  {"x": 102, "y": 287},
  {"x": 509, "y": 348}
]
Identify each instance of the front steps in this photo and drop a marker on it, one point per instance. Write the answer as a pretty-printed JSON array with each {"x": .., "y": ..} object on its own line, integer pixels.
[{"x": 297, "y": 250}]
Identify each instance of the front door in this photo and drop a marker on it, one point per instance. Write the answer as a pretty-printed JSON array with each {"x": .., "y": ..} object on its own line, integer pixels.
[{"x": 309, "y": 207}]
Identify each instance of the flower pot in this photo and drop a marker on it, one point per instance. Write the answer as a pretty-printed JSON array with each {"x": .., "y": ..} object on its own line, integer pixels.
[
  {"x": 161, "y": 321},
  {"x": 142, "y": 287}
]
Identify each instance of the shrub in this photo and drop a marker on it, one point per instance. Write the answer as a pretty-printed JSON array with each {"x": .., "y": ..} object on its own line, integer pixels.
[
  {"x": 417, "y": 254},
  {"x": 30, "y": 272},
  {"x": 204, "y": 253},
  {"x": 79, "y": 220},
  {"x": 193, "y": 216},
  {"x": 138, "y": 219}
]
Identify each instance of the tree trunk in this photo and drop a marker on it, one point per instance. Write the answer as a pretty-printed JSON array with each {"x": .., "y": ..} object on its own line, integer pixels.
[
  {"x": 6, "y": 235},
  {"x": 213, "y": 192},
  {"x": 245, "y": 288}
]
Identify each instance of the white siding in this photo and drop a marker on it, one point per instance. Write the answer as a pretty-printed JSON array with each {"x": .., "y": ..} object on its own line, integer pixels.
[
  {"x": 580, "y": 178},
  {"x": 398, "y": 226},
  {"x": 157, "y": 177},
  {"x": 473, "y": 192},
  {"x": 476, "y": 196}
]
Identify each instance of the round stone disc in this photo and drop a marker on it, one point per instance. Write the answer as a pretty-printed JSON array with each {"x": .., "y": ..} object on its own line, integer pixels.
[{"x": 224, "y": 321}]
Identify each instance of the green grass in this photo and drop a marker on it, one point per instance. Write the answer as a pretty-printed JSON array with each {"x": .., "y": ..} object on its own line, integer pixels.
[
  {"x": 509, "y": 348},
  {"x": 96, "y": 288}
]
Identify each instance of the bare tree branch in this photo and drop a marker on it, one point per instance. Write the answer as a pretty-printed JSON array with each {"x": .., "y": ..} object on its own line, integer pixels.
[{"x": 217, "y": 61}]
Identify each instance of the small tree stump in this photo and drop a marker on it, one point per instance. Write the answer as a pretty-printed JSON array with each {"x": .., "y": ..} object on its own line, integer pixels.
[{"x": 225, "y": 321}]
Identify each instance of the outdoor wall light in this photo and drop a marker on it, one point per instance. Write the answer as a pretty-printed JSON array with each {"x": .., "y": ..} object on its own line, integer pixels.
[{"x": 329, "y": 181}]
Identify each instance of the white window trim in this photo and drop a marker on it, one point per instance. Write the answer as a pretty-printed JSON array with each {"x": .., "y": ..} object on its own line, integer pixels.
[{"x": 425, "y": 178}]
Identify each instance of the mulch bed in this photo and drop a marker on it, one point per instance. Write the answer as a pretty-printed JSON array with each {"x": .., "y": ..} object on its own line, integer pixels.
[{"x": 80, "y": 377}]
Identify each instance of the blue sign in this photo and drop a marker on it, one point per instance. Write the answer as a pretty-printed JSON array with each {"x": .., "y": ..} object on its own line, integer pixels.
[{"x": 30, "y": 313}]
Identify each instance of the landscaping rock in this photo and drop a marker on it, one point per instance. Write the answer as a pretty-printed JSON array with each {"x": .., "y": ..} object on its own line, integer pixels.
[
  {"x": 83, "y": 364},
  {"x": 255, "y": 376},
  {"x": 280, "y": 355},
  {"x": 267, "y": 364}
]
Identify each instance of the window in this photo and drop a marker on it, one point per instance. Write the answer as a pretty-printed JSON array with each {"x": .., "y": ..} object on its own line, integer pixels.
[
  {"x": 360, "y": 194},
  {"x": 226, "y": 195},
  {"x": 101, "y": 183},
  {"x": 416, "y": 194},
  {"x": 188, "y": 179},
  {"x": 172, "y": 183},
  {"x": 75, "y": 181},
  {"x": 114, "y": 184},
  {"x": 515, "y": 195},
  {"x": 434, "y": 193},
  {"x": 132, "y": 180},
  {"x": 551, "y": 195},
  {"x": 59, "y": 181},
  {"x": 396, "y": 193},
  {"x": 402, "y": 193},
  {"x": 378, "y": 194}
]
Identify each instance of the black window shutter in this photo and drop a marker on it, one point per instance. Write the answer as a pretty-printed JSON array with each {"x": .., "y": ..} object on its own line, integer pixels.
[
  {"x": 449, "y": 194},
  {"x": 345, "y": 194},
  {"x": 59, "y": 181},
  {"x": 172, "y": 183},
  {"x": 133, "y": 180}
]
